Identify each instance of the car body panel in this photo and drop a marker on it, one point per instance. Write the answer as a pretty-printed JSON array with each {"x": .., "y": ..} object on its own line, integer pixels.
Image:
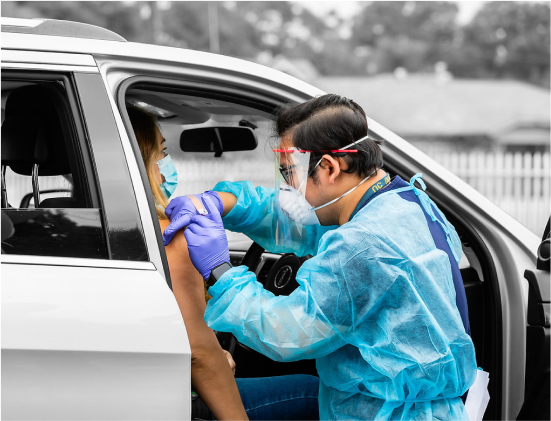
[
  {"x": 197, "y": 60},
  {"x": 105, "y": 339}
]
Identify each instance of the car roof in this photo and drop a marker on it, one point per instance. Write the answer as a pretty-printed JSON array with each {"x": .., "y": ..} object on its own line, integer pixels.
[
  {"x": 78, "y": 38},
  {"x": 55, "y": 27}
]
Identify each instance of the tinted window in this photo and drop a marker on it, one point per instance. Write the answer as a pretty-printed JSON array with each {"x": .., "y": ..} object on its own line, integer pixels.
[{"x": 45, "y": 191}]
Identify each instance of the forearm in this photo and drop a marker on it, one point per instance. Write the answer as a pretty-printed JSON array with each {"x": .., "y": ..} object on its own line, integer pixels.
[
  {"x": 213, "y": 380},
  {"x": 211, "y": 375}
]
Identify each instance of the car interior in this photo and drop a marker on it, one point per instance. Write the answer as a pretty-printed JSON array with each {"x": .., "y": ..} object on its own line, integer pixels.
[
  {"x": 43, "y": 191},
  {"x": 208, "y": 161}
]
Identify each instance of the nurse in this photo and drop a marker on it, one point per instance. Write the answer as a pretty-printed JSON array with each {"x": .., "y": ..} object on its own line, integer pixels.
[{"x": 380, "y": 305}]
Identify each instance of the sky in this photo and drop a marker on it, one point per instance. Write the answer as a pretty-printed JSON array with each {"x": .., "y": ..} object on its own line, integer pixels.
[{"x": 467, "y": 9}]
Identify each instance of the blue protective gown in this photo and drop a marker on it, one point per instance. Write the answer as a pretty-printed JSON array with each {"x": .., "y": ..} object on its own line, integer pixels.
[{"x": 375, "y": 307}]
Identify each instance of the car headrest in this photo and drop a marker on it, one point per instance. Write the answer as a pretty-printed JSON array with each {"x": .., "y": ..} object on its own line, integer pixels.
[
  {"x": 32, "y": 133},
  {"x": 60, "y": 202}
]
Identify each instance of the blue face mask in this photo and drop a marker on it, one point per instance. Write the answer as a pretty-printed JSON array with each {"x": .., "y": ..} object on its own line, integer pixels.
[{"x": 168, "y": 171}]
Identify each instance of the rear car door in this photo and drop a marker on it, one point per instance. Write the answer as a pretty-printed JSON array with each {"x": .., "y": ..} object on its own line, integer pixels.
[{"x": 90, "y": 327}]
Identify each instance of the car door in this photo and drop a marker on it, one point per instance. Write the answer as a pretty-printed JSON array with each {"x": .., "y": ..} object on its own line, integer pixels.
[
  {"x": 90, "y": 327},
  {"x": 536, "y": 403}
]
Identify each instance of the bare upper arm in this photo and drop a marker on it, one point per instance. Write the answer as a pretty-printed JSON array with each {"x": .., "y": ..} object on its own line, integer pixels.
[{"x": 187, "y": 284}]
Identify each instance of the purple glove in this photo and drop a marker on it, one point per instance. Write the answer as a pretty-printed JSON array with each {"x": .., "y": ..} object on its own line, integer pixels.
[
  {"x": 207, "y": 242},
  {"x": 181, "y": 209}
]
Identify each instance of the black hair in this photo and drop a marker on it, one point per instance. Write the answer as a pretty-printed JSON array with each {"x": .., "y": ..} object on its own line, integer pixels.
[{"x": 330, "y": 122}]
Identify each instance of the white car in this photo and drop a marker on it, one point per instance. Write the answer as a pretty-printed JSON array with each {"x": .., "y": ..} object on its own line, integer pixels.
[{"x": 90, "y": 328}]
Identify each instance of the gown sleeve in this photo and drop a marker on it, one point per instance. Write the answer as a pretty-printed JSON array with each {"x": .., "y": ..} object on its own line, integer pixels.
[
  {"x": 254, "y": 215},
  {"x": 284, "y": 328}
]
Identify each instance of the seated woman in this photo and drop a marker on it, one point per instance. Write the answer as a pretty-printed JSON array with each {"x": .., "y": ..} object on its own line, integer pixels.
[{"x": 276, "y": 398}]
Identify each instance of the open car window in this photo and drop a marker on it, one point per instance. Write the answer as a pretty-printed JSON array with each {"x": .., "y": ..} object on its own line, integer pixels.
[{"x": 179, "y": 114}]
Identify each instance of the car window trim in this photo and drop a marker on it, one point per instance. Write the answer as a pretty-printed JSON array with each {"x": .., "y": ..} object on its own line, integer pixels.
[
  {"x": 108, "y": 153},
  {"x": 76, "y": 262}
]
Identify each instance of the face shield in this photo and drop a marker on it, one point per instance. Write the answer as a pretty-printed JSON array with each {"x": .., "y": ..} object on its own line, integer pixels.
[
  {"x": 291, "y": 206},
  {"x": 293, "y": 166}
]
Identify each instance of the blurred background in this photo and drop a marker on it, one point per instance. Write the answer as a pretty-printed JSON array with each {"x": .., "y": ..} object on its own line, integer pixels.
[{"x": 467, "y": 82}]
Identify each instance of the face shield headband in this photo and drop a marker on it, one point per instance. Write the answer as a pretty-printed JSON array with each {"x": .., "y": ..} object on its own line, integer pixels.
[{"x": 286, "y": 171}]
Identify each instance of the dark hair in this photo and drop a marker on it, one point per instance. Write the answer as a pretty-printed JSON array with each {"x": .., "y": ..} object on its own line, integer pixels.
[{"x": 330, "y": 122}]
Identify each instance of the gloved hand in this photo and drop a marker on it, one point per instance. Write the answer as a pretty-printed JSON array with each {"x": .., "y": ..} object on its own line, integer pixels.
[
  {"x": 181, "y": 209},
  {"x": 206, "y": 241}
]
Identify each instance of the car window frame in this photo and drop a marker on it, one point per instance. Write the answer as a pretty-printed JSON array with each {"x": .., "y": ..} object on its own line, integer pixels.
[
  {"x": 125, "y": 231},
  {"x": 186, "y": 87},
  {"x": 62, "y": 91}
]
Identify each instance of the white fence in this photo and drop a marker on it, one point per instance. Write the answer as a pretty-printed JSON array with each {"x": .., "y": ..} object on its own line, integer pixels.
[{"x": 517, "y": 183}]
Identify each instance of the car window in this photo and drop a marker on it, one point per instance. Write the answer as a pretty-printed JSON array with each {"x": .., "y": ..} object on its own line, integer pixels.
[
  {"x": 180, "y": 111},
  {"x": 46, "y": 193}
]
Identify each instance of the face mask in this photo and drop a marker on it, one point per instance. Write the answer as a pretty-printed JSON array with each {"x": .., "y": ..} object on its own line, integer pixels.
[
  {"x": 168, "y": 171},
  {"x": 296, "y": 207}
]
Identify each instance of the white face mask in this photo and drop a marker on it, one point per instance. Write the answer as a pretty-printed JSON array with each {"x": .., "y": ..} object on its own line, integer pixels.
[{"x": 296, "y": 207}]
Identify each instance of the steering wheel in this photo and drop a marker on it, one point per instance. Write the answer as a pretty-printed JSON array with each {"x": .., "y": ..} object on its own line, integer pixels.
[{"x": 281, "y": 280}]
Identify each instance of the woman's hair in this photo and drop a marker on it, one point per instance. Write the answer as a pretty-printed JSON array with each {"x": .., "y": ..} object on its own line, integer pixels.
[
  {"x": 330, "y": 122},
  {"x": 144, "y": 125}
]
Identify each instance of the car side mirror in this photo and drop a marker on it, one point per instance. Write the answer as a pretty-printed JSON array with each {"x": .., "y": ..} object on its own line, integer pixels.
[{"x": 218, "y": 140}]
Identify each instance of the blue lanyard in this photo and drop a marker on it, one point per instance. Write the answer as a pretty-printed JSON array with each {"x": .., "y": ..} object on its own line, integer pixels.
[{"x": 379, "y": 185}]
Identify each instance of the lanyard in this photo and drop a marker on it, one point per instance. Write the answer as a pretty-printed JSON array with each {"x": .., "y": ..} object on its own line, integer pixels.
[{"x": 379, "y": 185}]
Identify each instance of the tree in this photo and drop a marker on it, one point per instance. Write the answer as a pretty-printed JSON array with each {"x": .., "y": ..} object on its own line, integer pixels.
[
  {"x": 513, "y": 40},
  {"x": 405, "y": 34}
]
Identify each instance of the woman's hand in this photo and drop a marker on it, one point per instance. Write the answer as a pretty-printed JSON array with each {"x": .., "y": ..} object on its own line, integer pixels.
[{"x": 230, "y": 361}]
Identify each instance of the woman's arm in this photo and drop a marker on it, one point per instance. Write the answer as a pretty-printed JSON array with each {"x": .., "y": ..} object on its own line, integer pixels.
[
  {"x": 211, "y": 374},
  {"x": 228, "y": 201}
]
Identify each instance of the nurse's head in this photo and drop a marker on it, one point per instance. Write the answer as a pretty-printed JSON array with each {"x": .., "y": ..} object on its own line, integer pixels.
[
  {"x": 327, "y": 123},
  {"x": 324, "y": 125},
  {"x": 152, "y": 145}
]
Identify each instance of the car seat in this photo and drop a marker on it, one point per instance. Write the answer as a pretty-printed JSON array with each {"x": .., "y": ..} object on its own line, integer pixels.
[{"x": 33, "y": 142}]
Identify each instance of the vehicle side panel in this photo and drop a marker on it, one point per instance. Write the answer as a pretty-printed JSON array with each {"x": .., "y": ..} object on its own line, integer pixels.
[{"x": 92, "y": 343}]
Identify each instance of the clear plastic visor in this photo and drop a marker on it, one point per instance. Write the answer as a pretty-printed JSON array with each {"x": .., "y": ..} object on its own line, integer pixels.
[
  {"x": 291, "y": 174},
  {"x": 292, "y": 168}
]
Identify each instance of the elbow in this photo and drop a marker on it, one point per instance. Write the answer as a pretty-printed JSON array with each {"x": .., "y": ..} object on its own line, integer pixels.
[{"x": 202, "y": 356}]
